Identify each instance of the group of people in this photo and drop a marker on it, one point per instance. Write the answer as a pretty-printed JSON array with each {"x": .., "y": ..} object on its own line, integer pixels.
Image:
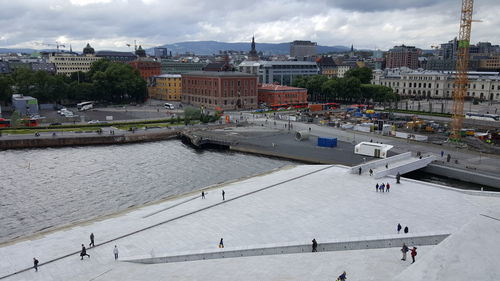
[
  {"x": 382, "y": 187},
  {"x": 399, "y": 227},
  {"x": 413, "y": 252},
  {"x": 83, "y": 252},
  {"x": 203, "y": 193}
]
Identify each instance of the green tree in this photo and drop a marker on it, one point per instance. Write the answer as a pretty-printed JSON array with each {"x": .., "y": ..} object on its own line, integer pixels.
[
  {"x": 6, "y": 84},
  {"x": 364, "y": 74},
  {"x": 300, "y": 81},
  {"x": 331, "y": 88},
  {"x": 15, "y": 119},
  {"x": 192, "y": 113},
  {"x": 314, "y": 86}
]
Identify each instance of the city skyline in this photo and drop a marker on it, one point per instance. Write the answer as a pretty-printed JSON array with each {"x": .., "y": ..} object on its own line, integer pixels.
[{"x": 112, "y": 24}]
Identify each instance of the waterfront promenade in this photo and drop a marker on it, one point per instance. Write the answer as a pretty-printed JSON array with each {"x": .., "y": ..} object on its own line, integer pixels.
[{"x": 290, "y": 206}]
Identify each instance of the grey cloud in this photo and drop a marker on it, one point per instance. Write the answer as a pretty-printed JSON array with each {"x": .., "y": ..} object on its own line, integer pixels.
[{"x": 423, "y": 22}]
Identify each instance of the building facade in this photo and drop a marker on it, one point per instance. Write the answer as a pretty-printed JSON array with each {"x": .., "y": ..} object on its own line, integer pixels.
[
  {"x": 43, "y": 66},
  {"x": 117, "y": 56},
  {"x": 169, "y": 66},
  {"x": 327, "y": 66},
  {"x": 147, "y": 67},
  {"x": 303, "y": 49},
  {"x": 228, "y": 90},
  {"x": 433, "y": 84},
  {"x": 67, "y": 63},
  {"x": 281, "y": 72},
  {"x": 277, "y": 95},
  {"x": 165, "y": 87},
  {"x": 403, "y": 56}
]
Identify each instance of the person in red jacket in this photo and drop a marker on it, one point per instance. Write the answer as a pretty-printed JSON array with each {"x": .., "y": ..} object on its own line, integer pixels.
[{"x": 413, "y": 254}]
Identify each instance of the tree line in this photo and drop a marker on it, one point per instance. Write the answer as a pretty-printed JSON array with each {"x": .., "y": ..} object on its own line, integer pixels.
[
  {"x": 107, "y": 82},
  {"x": 353, "y": 87}
]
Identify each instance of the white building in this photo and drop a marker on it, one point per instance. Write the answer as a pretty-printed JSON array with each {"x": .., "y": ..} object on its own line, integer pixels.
[
  {"x": 437, "y": 84},
  {"x": 282, "y": 72}
]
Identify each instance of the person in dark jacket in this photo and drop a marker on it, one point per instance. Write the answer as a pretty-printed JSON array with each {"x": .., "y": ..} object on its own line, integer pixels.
[
  {"x": 203, "y": 195},
  {"x": 413, "y": 254},
  {"x": 221, "y": 243},
  {"x": 398, "y": 178},
  {"x": 314, "y": 245},
  {"x": 404, "y": 250},
  {"x": 84, "y": 252},
  {"x": 371, "y": 172},
  {"x": 406, "y": 229},
  {"x": 35, "y": 264},
  {"x": 399, "y": 227},
  {"x": 359, "y": 171},
  {"x": 376, "y": 187},
  {"x": 223, "y": 195},
  {"x": 387, "y": 186},
  {"x": 91, "y": 240},
  {"x": 342, "y": 276}
]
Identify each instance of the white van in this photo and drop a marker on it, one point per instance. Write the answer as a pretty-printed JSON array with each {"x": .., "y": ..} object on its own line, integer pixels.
[{"x": 169, "y": 106}]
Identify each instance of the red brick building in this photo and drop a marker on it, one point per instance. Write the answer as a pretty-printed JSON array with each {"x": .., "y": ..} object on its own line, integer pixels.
[
  {"x": 147, "y": 68},
  {"x": 228, "y": 90},
  {"x": 403, "y": 56},
  {"x": 277, "y": 95}
]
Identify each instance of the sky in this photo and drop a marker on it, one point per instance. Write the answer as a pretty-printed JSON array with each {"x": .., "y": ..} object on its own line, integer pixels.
[{"x": 112, "y": 24}]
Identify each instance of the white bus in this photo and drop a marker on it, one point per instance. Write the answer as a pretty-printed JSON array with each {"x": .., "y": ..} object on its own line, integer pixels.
[
  {"x": 86, "y": 105},
  {"x": 169, "y": 106},
  {"x": 480, "y": 116}
]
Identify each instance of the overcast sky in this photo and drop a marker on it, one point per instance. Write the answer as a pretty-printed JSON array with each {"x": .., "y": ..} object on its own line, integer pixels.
[{"x": 111, "y": 24}]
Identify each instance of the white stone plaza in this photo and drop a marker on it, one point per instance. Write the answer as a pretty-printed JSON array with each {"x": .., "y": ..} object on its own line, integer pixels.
[{"x": 290, "y": 206}]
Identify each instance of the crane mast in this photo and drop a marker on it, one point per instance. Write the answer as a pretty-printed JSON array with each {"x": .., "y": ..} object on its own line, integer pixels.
[{"x": 461, "y": 80}]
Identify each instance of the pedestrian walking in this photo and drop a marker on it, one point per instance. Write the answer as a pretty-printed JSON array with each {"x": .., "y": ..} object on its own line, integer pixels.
[
  {"x": 91, "y": 244},
  {"x": 371, "y": 172},
  {"x": 399, "y": 227},
  {"x": 221, "y": 243},
  {"x": 448, "y": 158},
  {"x": 413, "y": 254},
  {"x": 405, "y": 250},
  {"x": 398, "y": 178},
  {"x": 84, "y": 252},
  {"x": 115, "y": 251},
  {"x": 223, "y": 195},
  {"x": 342, "y": 277},
  {"x": 314, "y": 245},
  {"x": 406, "y": 229},
  {"x": 376, "y": 187},
  {"x": 442, "y": 153},
  {"x": 382, "y": 186},
  {"x": 359, "y": 171},
  {"x": 387, "y": 187},
  {"x": 35, "y": 264},
  {"x": 203, "y": 195},
  {"x": 387, "y": 165}
]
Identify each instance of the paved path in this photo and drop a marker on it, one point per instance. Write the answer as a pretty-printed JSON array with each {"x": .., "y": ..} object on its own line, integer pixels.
[{"x": 467, "y": 160}]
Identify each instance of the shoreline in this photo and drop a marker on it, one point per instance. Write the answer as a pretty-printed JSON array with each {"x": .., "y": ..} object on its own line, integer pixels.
[{"x": 89, "y": 221}]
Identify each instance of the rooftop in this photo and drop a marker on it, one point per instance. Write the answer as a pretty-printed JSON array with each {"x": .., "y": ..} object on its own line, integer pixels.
[
  {"x": 287, "y": 207},
  {"x": 273, "y": 87},
  {"x": 168, "y": 76},
  {"x": 219, "y": 74}
]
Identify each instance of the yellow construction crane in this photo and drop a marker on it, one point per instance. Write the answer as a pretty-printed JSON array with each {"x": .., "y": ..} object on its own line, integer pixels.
[{"x": 461, "y": 79}]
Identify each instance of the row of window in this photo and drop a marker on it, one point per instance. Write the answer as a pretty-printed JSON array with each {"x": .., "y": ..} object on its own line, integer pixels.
[
  {"x": 209, "y": 101},
  {"x": 428, "y": 85}
]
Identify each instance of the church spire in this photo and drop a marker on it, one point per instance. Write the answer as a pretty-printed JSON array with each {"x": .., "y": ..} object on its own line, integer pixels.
[{"x": 252, "y": 55}]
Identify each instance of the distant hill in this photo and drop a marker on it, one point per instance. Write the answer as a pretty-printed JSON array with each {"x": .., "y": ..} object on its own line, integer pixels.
[
  {"x": 8, "y": 50},
  {"x": 213, "y": 47}
]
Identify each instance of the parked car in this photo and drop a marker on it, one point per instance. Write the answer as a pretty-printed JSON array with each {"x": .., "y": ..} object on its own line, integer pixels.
[{"x": 55, "y": 124}]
